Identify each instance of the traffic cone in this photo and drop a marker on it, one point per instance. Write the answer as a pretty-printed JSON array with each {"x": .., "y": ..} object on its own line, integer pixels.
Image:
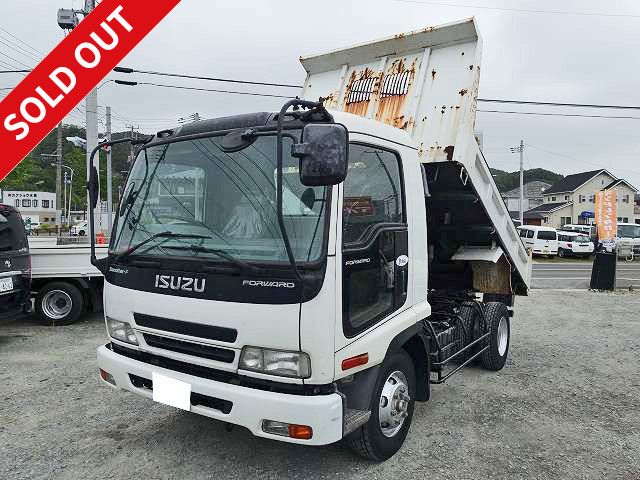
[{"x": 100, "y": 238}]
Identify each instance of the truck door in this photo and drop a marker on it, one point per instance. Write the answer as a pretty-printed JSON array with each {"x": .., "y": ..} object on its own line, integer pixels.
[{"x": 374, "y": 238}]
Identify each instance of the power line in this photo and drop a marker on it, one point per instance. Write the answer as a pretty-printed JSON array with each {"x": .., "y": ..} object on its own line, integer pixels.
[
  {"x": 17, "y": 61},
  {"x": 212, "y": 90},
  {"x": 558, "y": 104},
  {"x": 200, "y": 77},
  {"x": 562, "y": 155},
  {"x": 24, "y": 43},
  {"x": 521, "y": 10},
  {"x": 619, "y": 117},
  {"x": 18, "y": 49}
]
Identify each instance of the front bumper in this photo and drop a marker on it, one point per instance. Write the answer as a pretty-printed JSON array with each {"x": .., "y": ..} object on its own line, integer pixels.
[{"x": 250, "y": 405}]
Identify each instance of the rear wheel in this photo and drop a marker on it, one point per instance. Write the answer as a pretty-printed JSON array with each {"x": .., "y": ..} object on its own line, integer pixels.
[
  {"x": 497, "y": 316},
  {"x": 59, "y": 303},
  {"x": 392, "y": 406},
  {"x": 561, "y": 252}
]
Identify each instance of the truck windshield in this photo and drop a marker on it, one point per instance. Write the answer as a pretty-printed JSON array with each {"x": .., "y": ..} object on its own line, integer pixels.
[
  {"x": 226, "y": 202},
  {"x": 629, "y": 231}
]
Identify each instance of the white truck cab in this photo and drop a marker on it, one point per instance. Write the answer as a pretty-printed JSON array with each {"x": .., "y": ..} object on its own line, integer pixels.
[{"x": 310, "y": 274}]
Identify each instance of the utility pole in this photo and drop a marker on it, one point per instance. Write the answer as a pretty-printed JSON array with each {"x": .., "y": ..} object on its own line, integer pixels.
[
  {"x": 59, "y": 174},
  {"x": 92, "y": 118},
  {"x": 109, "y": 175},
  {"x": 132, "y": 151},
  {"x": 521, "y": 181},
  {"x": 65, "y": 198},
  {"x": 520, "y": 149}
]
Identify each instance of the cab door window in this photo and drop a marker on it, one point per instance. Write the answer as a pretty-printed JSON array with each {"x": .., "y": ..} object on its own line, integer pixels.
[{"x": 375, "y": 238}]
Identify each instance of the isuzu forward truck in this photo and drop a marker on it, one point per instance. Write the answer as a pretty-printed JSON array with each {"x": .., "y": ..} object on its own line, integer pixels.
[{"x": 310, "y": 274}]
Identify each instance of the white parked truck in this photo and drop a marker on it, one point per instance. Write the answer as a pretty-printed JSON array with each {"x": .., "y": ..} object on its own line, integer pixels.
[
  {"x": 64, "y": 283},
  {"x": 309, "y": 274}
]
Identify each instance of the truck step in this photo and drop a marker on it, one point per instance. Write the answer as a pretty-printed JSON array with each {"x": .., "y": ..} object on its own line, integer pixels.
[{"x": 354, "y": 419}]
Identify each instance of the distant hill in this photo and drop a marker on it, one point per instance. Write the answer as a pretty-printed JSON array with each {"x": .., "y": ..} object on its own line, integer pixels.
[{"x": 509, "y": 180}]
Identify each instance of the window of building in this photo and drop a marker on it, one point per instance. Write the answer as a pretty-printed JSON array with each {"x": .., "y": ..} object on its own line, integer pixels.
[
  {"x": 17, "y": 203},
  {"x": 625, "y": 198},
  {"x": 592, "y": 198},
  {"x": 566, "y": 197},
  {"x": 581, "y": 198},
  {"x": 553, "y": 199},
  {"x": 564, "y": 221},
  {"x": 26, "y": 202},
  {"x": 45, "y": 203},
  {"x": 34, "y": 202}
]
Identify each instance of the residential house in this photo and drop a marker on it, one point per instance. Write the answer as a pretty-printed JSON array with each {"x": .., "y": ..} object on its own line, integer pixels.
[
  {"x": 572, "y": 199},
  {"x": 532, "y": 196}
]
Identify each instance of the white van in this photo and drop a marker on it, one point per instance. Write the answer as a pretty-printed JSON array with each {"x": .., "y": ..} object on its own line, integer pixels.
[
  {"x": 574, "y": 244},
  {"x": 629, "y": 233},
  {"x": 541, "y": 240}
]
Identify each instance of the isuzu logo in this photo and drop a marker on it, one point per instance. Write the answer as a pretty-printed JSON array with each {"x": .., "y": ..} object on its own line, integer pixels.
[
  {"x": 262, "y": 283},
  {"x": 186, "y": 284}
]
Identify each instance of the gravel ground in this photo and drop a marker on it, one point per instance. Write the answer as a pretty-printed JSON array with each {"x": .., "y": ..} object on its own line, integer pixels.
[{"x": 566, "y": 405}]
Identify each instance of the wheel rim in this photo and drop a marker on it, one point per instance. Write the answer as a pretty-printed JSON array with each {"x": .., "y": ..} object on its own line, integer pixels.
[
  {"x": 57, "y": 304},
  {"x": 503, "y": 336},
  {"x": 394, "y": 404}
]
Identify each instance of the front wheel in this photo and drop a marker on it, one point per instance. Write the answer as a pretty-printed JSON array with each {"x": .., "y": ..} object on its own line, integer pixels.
[
  {"x": 561, "y": 253},
  {"x": 392, "y": 406},
  {"x": 59, "y": 303},
  {"x": 497, "y": 316}
]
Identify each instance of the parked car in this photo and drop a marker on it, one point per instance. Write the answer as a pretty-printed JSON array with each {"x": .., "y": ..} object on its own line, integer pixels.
[
  {"x": 79, "y": 229},
  {"x": 15, "y": 264},
  {"x": 574, "y": 244},
  {"x": 541, "y": 240},
  {"x": 590, "y": 230}
]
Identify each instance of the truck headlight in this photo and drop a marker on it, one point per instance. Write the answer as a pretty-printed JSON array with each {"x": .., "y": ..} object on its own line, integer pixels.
[
  {"x": 275, "y": 362},
  {"x": 121, "y": 331}
]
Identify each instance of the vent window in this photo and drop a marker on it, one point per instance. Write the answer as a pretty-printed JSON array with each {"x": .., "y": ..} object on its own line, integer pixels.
[
  {"x": 395, "y": 84},
  {"x": 361, "y": 90}
]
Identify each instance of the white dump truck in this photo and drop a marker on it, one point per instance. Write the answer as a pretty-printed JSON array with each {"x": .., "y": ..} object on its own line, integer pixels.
[{"x": 310, "y": 274}]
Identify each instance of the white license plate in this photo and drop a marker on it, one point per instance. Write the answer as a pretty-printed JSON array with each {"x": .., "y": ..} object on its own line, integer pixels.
[
  {"x": 6, "y": 284},
  {"x": 545, "y": 251},
  {"x": 170, "y": 391}
]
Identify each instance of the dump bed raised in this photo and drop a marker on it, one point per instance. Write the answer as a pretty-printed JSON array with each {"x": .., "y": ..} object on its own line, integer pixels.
[{"x": 426, "y": 83}]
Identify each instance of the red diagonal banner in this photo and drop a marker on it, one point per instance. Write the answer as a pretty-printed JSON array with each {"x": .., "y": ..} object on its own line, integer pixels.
[{"x": 71, "y": 71}]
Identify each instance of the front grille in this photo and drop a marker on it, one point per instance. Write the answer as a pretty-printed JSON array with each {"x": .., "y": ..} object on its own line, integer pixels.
[
  {"x": 223, "y": 406},
  {"x": 219, "y": 375},
  {"x": 188, "y": 348},
  {"x": 209, "y": 332}
]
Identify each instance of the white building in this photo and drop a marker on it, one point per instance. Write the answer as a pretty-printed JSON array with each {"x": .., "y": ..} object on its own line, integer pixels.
[{"x": 36, "y": 208}]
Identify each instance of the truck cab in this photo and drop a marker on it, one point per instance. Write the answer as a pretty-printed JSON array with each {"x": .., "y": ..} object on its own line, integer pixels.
[
  {"x": 309, "y": 274},
  {"x": 15, "y": 264}
]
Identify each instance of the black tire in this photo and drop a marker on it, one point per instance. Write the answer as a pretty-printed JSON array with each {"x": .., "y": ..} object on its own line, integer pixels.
[
  {"x": 472, "y": 320},
  {"x": 491, "y": 359},
  {"x": 368, "y": 441},
  {"x": 70, "y": 302},
  {"x": 561, "y": 253},
  {"x": 81, "y": 233}
]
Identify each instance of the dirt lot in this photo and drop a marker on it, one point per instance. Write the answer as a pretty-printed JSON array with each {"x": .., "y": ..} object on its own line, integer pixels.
[{"x": 567, "y": 405}]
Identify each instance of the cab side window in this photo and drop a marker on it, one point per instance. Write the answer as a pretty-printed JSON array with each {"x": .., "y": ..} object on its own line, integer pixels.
[{"x": 374, "y": 237}]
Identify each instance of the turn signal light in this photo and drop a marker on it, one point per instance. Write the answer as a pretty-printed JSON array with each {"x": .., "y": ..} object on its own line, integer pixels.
[
  {"x": 356, "y": 361},
  {"x": 107, "y": 377},
  {"x": 300, "y": 432}
]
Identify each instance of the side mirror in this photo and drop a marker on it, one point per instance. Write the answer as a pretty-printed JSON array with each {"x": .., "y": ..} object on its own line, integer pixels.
[
  {"x": 323, "y": 154},
  {"x": 93, "y": 187}
]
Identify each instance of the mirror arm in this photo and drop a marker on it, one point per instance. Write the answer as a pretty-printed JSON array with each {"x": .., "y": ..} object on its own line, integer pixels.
[{"x": 279, "y": 161}]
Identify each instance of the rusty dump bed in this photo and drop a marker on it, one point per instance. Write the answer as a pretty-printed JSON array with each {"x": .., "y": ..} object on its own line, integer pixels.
[{"x": 426, "y": 83}]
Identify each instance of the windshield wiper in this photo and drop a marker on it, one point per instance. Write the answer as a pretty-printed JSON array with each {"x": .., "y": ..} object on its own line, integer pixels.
[
  {"x": 166, "y": 234},
  {"x": 216, "y": 251}
]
